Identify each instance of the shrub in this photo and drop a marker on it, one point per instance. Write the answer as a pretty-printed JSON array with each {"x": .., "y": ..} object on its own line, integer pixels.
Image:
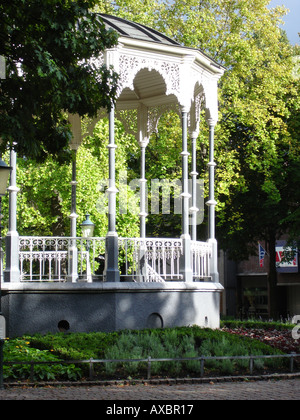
[
  {"x": 181, "y": 342},
  {"x": 19, "y": 350},
  {"x": 75, "y": 346}
]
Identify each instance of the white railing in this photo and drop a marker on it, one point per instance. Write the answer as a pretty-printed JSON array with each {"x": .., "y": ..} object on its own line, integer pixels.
[
  {"x": 201, "y": 254},
  {"x": 163, "y": 256},
  {"x": 140, "y": 260},
  {"x": 151, "y": 259},
  {"x": 48, "y": 258}
]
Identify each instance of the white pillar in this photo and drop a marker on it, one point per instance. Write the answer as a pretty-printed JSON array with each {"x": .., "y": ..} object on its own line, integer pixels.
[
  {"x": 12, "y": 270},
  {"x": 75, "y": 121},
  {"x": 73, "y": 251},
  {"x": 143, "y": 215},
  {"x": 185, "y": 263},
  {"x": 143, "y": 140},
  {"x": 143, "y": 193},
  {"x": 194, "y": 174},
  {"x": 211, "y": 206},
  {"x": 111, "y": 272}
]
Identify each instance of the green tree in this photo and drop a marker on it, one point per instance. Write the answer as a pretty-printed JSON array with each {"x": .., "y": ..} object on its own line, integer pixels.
[
  {"x": 47, "y": 45},
  {"x": 257, "y": 146},
  {"x": 44, "y": 201},
  {"x": 257, "y": 138},
  {"x": 164, "y": 149}
]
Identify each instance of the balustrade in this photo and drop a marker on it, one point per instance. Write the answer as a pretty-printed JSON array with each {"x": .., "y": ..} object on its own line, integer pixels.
[
  {"x": 201, "y": 254},
  {"x": 140, "y": 260}
]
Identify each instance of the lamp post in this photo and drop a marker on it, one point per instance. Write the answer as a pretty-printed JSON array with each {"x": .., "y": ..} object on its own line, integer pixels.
[
  {"x": 87, "y": 229},
  {"x": 4, "y": 175}
]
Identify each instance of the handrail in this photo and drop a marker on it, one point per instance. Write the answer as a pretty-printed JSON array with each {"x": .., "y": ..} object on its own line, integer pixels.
[
  {"x": 47, "y": 258},
  {"x": 150, "y": 360}
]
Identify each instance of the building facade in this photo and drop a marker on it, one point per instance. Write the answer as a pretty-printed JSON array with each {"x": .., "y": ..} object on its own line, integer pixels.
[{"x": 246, "y": 291}]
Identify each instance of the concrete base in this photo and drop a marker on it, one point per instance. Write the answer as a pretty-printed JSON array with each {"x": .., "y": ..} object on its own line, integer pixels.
[{"x": 40, "y": 307}]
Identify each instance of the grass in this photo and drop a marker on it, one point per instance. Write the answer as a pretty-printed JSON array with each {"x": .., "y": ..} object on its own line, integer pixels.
[{"x": 181, "y": 342}]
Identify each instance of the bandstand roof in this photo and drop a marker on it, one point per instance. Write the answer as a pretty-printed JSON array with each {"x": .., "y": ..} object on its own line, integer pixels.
[
  {"x": 156, "y": 70},
  {"x": 156, "y": 73},
  {"x": 135, "y": 30}
]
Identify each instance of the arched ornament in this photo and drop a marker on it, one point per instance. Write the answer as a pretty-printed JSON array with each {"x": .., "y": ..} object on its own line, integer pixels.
[
  {"x": 194, "y": 115},
  {"x": 129, "y": 66},
  {"x": 205, "y": 97},
  {"x": 211, "y": 101},
  {"x": 155, "y": 113}
]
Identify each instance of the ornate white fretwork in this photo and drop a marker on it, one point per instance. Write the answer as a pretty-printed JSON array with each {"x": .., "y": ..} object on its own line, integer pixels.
[
  {"x": 129, "y": 66},
  {"x": 129, "y": 120},
  {"x": 194, "y": 115},
  {"x": 129, "y": 117},
  {"x": 46, "y": 258},
  {"x": 155, "y": 113}
]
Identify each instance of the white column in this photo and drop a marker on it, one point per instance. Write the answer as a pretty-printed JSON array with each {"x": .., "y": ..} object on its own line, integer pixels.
[
  {"x": 111, "y": 272},
  {"x": 143, "y": 140},
  {"x": 143, "y": 215},
  {"x": 143, "y": 192},
  {"x": 185, "y": 263},
  {"x": 12, "y": 270},
  {"x": 194, "y": 174},
  {"x": 73, "y": 251},
  {"x": 75, "y": 121},
  {"x": 211, "y": 206}
]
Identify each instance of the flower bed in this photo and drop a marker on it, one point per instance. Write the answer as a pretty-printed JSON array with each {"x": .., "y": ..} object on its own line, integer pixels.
[
  {"x": 235, "y": 339},
  {"x": 281, "y": 339}
]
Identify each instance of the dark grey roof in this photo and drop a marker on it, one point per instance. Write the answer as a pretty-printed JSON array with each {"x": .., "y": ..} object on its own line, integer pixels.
[{"x": 135, "y": 30}]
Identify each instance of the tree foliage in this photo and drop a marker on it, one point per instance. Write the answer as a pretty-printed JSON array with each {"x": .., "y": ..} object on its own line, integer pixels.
[
  {"x": 47, "y": 46},
  {"x": 44, "y": 201},
  {"x": 257, "y": 138}
]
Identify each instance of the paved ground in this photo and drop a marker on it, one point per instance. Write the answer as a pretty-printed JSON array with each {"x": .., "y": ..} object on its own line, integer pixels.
[{"x": 288, "y": 389}]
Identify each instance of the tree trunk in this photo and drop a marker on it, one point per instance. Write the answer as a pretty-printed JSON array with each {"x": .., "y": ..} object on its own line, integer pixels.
[{"x": 272, "y": 281}]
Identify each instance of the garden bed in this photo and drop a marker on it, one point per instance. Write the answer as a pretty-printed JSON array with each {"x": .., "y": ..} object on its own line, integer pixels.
[
  {"x": 276, "y": 335},
  {"x": 184, "y": 342}
]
